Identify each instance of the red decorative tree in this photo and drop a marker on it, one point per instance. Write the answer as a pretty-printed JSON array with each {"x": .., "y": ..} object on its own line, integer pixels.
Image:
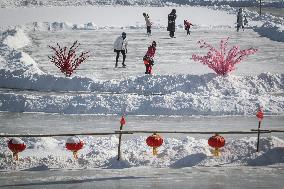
[
  {"x": 66, "y": 59},
  {"x": 222, "y": 61}
]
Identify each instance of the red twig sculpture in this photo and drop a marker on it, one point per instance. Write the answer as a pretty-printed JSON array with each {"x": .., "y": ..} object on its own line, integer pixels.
[{"x": 66, "y": 59}]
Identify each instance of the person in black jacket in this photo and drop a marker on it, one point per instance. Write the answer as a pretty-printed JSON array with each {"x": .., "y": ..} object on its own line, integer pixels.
[{"x": 172, "y": 23}]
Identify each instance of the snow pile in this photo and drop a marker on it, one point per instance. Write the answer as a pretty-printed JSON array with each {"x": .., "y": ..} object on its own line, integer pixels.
[
  {"x": 49, "y": 153},
  {"x": 272, "y": 30},
  {"x": 206, "y": 94},
  {"x": 266, "y": 25},
  {"x": 15, "y": 38},
  {"x": 18, "y": 62},
  {"x": 57, "y": 26}
]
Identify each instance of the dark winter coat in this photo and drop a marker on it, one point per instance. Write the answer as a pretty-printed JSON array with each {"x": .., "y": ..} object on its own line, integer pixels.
[{"x": 172, "y": 22}]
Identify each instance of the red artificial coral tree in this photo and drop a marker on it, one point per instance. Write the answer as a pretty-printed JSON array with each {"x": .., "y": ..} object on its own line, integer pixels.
[
  {"x": 222, "y": 61},
  {"x": 66, "y": 59}
]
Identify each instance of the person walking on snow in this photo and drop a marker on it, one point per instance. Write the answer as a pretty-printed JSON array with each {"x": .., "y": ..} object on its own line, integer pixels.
[
  {"x": 241, "y": 20},
  {"x": 120, "y": 46},
  {"x": 187, "y": 25},
  {"x": 148, "y": 23},
  {"x": 172, "y": 23},
  {"x": 149, "y": 56}
]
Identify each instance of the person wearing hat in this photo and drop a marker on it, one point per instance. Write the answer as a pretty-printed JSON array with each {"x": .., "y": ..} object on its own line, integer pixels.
[
  {"x": 148, "y": 23},
  {"x": 149, "y": 56},
  {"x": 172, "y": 23},
  {"x": 120, "y": 46}
]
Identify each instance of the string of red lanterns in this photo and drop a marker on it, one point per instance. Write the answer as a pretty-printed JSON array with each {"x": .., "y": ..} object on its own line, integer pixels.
[{"x": 74, "y": 144}]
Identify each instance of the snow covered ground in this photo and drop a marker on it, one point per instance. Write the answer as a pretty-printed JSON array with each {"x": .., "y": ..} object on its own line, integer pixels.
[{"x": 181, "y": 95}]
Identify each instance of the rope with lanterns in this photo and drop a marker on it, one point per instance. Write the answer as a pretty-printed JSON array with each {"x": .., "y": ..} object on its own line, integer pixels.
[{"x": 74, "y": 143}]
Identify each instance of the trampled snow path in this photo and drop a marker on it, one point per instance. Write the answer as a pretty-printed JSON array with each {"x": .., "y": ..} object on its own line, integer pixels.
[{"x": 172, "y": 56}]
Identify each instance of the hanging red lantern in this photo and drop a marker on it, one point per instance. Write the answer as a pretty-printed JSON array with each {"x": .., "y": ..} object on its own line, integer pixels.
[
  {"x": 16, "y": 145},
  {"x": 122, "y": 121},
  {"x": 154, "y": 141},
  {"x": 216, "y": 142},
  {"x": 74, "y": 144},
  {"x": 259, "y": 114}
]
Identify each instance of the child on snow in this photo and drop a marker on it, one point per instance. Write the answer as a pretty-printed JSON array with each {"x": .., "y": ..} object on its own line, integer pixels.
[
  {"x": 148, "y": 23},
  {"x": 187, "y": 25},
  {"x": 148, "y": 58}
]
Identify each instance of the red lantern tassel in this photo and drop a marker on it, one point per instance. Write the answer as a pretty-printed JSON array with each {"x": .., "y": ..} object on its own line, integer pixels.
[
  {"x": 75, "y": 154},
  {"x": 216, "y": 152},
  {"x": 155, "y": 151},
  {"x": 16, "y": 156}
]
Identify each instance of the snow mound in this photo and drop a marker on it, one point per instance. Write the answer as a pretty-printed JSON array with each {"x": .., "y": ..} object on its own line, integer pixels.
[
  {"x": 174, "y": 153},
  {"x": 58, "y": 26},
  {"x": 11, "y": 59},
  {"x": 272, "y": 30},
  {"x": 15, "y": 38}
]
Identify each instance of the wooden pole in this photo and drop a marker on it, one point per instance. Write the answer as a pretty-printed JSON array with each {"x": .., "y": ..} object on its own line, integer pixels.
[
  {"x": 253, "y": 131},
  {"x": 122, "y": 122},
  {"x": 260, "y": 7},
  {"x": 258, "y": 135},
  {"x": 194, "y": 132},
  {"x": 119, "y": 143}
]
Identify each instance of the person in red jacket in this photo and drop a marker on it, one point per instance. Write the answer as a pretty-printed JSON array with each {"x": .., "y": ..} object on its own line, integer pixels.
[
  {"x": 187, "y": 25},
  {"x": 149, "y": 56}
]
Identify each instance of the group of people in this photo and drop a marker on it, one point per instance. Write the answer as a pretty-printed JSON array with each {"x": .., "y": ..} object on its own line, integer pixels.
[{"x": 120, "y": 44}]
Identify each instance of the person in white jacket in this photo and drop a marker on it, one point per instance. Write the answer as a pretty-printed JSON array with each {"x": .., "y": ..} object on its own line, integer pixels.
[
  {"x": 120, "y": 46},
  {"x": 148, "y": 23}
]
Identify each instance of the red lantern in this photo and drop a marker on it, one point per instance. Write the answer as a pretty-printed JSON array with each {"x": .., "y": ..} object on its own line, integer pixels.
[
  {"x": 216, "y": 142},
  {"x": 154, "y": 141},
  {"x": 16, "y": 145},
  {"x": 259, "y": 114},
  {"x": 122, "y": 121},
  {"x": 74, "y": 144}
]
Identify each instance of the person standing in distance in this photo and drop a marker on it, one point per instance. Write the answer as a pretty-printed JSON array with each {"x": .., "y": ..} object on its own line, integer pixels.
[
  {"x": 120, "y": 46},
  {"x": 241, "y": 20},
  {"x": 172, "y": 23},
  {"x": 148, "y": 23}
]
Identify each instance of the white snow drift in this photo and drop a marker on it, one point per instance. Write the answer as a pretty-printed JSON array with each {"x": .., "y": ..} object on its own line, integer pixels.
[
  {"x": 49, "y": 153},
  {"x": 206, "y": 94}
]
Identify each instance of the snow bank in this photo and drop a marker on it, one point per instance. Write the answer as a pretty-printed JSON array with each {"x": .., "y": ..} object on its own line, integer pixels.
[
  {"x": 272, "y": 30},
  {"x": 206, "y": 94},
  {"x": 49, "y": 153},
  {"x": 15, "y": 38},
  {"x": 20, "y": 63}
]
